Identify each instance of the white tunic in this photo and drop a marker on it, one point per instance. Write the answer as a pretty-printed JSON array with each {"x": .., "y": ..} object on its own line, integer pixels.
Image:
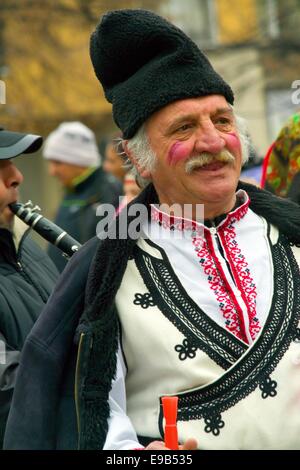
[{"x": 208, "y": 315}]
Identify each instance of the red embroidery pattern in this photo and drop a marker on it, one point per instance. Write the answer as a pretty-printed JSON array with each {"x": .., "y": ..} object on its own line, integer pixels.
[
  {"x": 171, "y": 222},
  {"x": 218, "y": 287},
  {"x": 229, "y": 306},
  {"x": 241, "y": 273},
  {"x": 212, "y": 268},
  {"x": 238, "y": 213}
]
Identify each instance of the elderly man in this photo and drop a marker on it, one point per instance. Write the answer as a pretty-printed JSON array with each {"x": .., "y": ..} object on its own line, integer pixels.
[
  {"x": 205, "y": 310},
  {"x": 27, "y": 275}
]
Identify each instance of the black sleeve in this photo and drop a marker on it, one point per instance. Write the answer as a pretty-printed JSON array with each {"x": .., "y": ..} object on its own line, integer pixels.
[
  {"x": 41, "y": 385},
  {"x": 9, "y": 361}
]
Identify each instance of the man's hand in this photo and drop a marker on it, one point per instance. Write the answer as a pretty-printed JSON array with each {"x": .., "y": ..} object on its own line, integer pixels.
[{"x": 190, "y": 444}]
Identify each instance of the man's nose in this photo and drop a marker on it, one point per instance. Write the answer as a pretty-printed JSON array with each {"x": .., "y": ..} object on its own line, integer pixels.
[
  {"x": 13, "y": 177},
  {"x": 209, "y": 140}
]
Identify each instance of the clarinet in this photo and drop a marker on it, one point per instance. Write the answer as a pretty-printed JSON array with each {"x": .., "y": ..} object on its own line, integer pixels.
[{"x": 47, "y": 229}]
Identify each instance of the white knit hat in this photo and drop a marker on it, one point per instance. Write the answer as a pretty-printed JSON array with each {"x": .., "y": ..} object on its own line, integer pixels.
[{"x": 72, "y": 142}]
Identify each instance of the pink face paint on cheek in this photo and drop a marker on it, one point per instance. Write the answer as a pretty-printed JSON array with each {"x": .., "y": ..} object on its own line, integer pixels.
[
  {"x": 179, "y": 151},
  {"x": 233, "y": 141}
]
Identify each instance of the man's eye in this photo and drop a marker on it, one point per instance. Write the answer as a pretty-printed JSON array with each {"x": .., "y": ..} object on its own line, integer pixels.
[
  {"x": 184, "y": 127},
  {"x": 223, "y": 120},
  {"x": 224, "y": 123}
]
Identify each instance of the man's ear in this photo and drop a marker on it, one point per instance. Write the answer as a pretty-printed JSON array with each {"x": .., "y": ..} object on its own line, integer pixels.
[{"x": 146, "y": 174}]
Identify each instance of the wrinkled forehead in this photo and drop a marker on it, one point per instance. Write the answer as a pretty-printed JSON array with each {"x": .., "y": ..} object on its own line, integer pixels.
[{"x": 191, "y": 107}]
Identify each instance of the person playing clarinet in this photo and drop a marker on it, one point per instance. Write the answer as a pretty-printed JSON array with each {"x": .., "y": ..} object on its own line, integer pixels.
[{"x": 27, "y": 275}]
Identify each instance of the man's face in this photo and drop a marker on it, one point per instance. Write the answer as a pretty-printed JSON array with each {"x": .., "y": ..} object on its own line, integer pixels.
[
  {"x": 188, "y": 128},
  {"x": 64, "y": 172},
  {"x": 10, "y": 178}
]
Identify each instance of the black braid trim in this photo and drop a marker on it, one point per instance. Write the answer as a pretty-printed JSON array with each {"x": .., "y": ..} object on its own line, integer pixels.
[
  {"x": 96, "y": 379},
  {"x": 172, "y": 300},
  {"x": 262, "y": 359}
]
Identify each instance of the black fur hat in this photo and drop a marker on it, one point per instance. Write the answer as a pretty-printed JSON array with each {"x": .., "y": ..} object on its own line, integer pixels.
[{"x": 144, "y": 63}]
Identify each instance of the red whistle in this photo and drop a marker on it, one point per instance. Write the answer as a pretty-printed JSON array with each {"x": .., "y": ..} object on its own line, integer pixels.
[{"x": 170, "y": 414}]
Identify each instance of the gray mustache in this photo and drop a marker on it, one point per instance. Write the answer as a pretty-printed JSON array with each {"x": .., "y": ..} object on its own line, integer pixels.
[{"x": 205, "y": 158}]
